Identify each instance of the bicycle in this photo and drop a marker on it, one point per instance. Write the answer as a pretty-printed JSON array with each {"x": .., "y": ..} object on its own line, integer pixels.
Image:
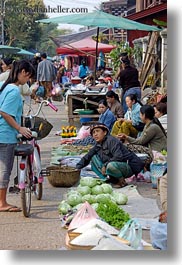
[{"x": 29, "y": 172}]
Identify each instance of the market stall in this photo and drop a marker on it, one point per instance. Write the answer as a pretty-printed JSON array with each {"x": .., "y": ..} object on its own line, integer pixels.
[{"x": 83, "y": 104}]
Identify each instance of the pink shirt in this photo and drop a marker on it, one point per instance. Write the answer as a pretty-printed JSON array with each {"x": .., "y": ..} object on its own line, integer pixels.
[{"x": 75, "y": 70}]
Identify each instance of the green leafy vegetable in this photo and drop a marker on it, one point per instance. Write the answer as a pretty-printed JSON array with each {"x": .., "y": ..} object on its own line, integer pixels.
[{"x": 111, "y": 213}]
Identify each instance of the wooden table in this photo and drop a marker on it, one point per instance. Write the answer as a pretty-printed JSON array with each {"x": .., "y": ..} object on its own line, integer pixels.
[{"x": 76, "y": 101}]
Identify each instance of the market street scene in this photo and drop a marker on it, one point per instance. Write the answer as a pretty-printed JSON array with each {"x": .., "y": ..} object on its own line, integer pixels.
[{"x": 83, "y": 125}]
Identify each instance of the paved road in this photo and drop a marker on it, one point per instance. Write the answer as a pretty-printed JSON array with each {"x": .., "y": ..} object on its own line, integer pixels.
[{"x": 43, "y": 231}]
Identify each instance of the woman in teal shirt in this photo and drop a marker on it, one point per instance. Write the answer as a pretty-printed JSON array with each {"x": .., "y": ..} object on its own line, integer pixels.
[
  {"x": 132, "y": 124},
  {"x": 11, "y": 108}
]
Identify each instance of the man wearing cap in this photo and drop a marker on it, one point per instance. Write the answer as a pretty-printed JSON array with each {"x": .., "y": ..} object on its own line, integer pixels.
[
  {"x": 46, "y": 74},
  {"x": 110, "y": 159},
  {"x": 128, "y": 80}
]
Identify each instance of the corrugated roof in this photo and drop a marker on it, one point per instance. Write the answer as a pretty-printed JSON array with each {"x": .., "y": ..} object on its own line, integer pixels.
[{"x": 69, "y": 38}]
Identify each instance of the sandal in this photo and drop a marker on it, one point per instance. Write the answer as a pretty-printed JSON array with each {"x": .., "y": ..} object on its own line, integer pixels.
[
  {"x": 121, "y": 184},
  {"x": 11, "y": 209}
]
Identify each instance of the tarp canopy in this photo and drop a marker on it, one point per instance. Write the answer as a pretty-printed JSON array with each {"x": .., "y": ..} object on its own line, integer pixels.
[{"x": 84, "y": 45}]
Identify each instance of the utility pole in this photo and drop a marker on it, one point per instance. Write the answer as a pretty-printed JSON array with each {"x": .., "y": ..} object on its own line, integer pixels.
[{"x": 3, "y": 11}]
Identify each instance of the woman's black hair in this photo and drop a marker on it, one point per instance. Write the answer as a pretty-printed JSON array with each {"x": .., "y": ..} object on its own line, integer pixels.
[
  {"x": 111, "y": 94},
  {"x": 134, "y": 97},
  {"x": 7, "y": 61},
  {"x": 149, "y": 112},
  {"x": 17, "y": 67},
  {"x": 84, "y": 64},
  {"x": 161, "y": 107},
  {"x": 104, "y": 102}
]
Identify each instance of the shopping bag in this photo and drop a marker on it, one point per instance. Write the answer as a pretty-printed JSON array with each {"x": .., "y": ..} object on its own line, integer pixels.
[
  {"x": 132, "y": 231},
  {"x": 83, "y": 132},
  {"x": 83, "y": 215},
  {"x": 158, "y": 236}
]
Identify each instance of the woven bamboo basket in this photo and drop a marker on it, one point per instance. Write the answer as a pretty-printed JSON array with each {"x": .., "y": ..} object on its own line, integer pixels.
[
  {"x": 75, "y": 247},
  {"x": 62, "y": 176}
]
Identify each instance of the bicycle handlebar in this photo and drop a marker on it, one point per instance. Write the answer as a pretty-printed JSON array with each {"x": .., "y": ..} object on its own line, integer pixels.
[{"x": 52, "y": 106}]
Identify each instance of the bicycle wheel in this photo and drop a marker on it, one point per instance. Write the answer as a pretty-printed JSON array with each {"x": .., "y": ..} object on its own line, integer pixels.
[
  {"x": 37, "y": 186},
  {"x": 26, "y": 193}
]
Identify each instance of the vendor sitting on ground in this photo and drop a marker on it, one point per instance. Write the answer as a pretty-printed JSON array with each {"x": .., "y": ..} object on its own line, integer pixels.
[
  {"x": 153, "y": 137},
  {"x": 114, "y": 104},
  {"x": 109, "y": 158},
  {"x": 131, "y": 124},
  {"x": 161, "y": 113},
  {"x": 106, "y": 116}
]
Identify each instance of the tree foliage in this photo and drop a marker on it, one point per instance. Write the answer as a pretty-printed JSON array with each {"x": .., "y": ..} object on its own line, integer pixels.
[
  {"x": 134, "y": 54},
  {"x": 20, "y": 27},
  {"x": 22, "y": 31}
]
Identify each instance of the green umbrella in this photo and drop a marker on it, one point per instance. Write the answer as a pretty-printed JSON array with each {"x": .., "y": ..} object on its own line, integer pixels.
[
  {"x": 5, "y": 49},
  {"x": 24, "y": 52},
  {"x": 100, "y": 19}
]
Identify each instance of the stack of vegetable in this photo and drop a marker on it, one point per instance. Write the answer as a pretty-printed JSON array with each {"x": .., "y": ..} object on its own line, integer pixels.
[{"x": 105, "y": 201}]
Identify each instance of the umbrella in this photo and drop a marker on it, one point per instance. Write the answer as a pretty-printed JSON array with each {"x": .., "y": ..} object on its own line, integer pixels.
[
  {"x": 84, "y": 45},
  {"x": 24, "y": 52},
  {"x": 5, "y": 49},
  {"x": 100, "y": 19}
]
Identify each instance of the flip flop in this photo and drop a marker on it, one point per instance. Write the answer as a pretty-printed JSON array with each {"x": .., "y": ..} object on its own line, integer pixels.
[{"x": 11, "y": 209}]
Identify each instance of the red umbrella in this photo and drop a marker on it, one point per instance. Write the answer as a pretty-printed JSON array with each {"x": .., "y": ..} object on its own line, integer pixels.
[{"x": 84, "y": 45}]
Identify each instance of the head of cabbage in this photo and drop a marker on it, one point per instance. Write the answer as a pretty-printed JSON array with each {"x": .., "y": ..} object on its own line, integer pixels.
[
  {"x": 74, "y": 199},
  {"x": 83, "y": 190},
  {"x": 107, "y": 188},
  {"x": 97, "y": 190},
  {"x": 64, "y": 207},
  {"x": 89, "y": 181},
  {"x": 120, "y": 198}
]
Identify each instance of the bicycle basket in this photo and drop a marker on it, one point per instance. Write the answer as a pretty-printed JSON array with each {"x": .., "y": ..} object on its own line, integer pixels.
[
  {"x": 43, "y": 127},
  {"x": 40, "y": 125}
]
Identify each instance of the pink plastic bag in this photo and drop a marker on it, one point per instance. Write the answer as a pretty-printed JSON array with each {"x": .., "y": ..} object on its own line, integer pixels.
[
  {"x": 83, "y": 215},
  {"x": 83, "y": 132}
]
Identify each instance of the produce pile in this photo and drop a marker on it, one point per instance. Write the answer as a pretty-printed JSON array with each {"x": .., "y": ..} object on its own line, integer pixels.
[
  {"x": 101, "y": 196},
  {"x": 66, "y": 150}
]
